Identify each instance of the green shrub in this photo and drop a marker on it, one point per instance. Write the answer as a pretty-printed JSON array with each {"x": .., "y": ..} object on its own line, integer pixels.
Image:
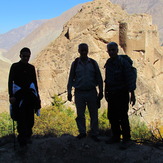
[
  {"x": 6, "y": 124},
  {"x": 139, "y": 129},
  {"x": 103, "y": 120},
  {"x": 55, "y": 120}
]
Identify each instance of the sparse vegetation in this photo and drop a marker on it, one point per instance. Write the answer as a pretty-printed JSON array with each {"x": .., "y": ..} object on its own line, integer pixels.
[
  {"x": 139, "y": 130},
  {"x": 6, "y": 125},
  {"x": 57, "y": 120}
]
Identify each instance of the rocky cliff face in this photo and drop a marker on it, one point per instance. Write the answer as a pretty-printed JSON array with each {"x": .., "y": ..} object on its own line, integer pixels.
[{"x": 97, "y": 23}]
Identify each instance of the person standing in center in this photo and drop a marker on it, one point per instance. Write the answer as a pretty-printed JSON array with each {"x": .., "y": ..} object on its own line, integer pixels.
[{"x": 84, "y": 77}]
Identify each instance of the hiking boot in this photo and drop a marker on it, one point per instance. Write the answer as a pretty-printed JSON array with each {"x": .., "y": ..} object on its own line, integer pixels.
[
  {"x": 112, "y": 140},
  {"x": 81, "y": 136},
  {"x": 95, "y": 138},
  {"x": 125, "y": 144}
]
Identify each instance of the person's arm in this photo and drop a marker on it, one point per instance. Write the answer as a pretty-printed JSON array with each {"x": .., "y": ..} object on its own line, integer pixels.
[
  {"x": 106, "y": 92},
  {"x": 12, "y": 99},
  {"x": 132, "y": 98},
  {"x": 70, "y": 82},
  {"x": 100, "y": 81},
  {"x": 35, "y": 79},
  {"x": 36, "y": 85}
]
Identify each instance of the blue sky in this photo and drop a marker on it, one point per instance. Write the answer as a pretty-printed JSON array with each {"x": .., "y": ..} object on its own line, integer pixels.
[{"x": 16, "y": 13}]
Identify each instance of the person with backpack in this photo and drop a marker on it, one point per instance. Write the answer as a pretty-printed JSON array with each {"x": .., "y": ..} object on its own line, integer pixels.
[
  {"x": 84, "y": 76},
  {"x": 23, "y": 96},
  {"x": 120, "y": 83}
]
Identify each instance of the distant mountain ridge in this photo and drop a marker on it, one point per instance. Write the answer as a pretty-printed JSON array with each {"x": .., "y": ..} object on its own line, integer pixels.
[
  {"x": 9, "y": 39},
  {"x": 39, "y": 38}
]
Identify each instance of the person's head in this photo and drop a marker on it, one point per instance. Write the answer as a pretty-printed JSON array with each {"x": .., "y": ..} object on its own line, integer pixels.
[
  {"x": 83, "y": 50},
  {"x": 112, "y": 49},
  {"x": 25, "y": 54}
]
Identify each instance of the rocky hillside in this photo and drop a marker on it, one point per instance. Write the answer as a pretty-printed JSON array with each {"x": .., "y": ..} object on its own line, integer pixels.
[
  {"x": 4, "y": 68},
  {"x": 97, "y": 23}
]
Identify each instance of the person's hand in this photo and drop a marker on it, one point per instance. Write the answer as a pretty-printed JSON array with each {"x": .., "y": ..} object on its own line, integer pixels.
[
  {"x": 132, "y": 99},
  {"x": 69, "y": 97},
  {"x": 12, "y": 100},
  {"x": 100, "y": 95}
]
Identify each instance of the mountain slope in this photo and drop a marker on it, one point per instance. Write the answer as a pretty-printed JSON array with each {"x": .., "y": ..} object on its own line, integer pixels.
[
  {"x": 9, "y": 39},
  {"x": 43, "y": 35}
]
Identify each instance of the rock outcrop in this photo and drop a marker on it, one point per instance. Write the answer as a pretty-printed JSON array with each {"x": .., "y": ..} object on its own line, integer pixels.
[{"x": 97, "y": 23}]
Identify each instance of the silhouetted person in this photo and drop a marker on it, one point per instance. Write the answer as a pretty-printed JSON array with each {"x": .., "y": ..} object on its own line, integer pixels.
[
  {"x": 84, "y": 77},
  {"x": 120, "y": 84},
  {"x": 23, "y": 96}
]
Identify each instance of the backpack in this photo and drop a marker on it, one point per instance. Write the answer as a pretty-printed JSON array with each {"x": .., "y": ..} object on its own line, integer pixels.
[{"x": 128, "y": 59}]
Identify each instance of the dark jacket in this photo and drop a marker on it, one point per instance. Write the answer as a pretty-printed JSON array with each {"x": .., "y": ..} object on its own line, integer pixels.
[
  {"x": 22, "y": 75},
  {"x": 119, "y": 75}
]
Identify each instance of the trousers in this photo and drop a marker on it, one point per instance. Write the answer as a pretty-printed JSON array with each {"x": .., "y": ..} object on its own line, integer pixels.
[
  {"x": 118, "y": 106},
  {"x": 89, "y": 99},
  {"x": 25, "y": 121}
]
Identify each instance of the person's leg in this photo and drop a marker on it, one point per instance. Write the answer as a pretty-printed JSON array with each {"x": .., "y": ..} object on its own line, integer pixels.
[
  {"x": 113, "y": 116},
  {"x": 21, "y": 128},
  {"x": 93, "y": 111},
  {"x": 30, "y": 123},
  {"x": 26, "y": 121},
  {"x": 80, "y": 106},
  {"x": 124, "y": 116}
]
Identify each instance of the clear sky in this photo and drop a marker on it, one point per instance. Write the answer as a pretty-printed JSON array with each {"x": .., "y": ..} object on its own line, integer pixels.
[{"x": 16, "y": 13}]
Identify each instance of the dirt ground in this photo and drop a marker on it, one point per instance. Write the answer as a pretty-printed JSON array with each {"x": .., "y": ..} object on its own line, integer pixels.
[{"x": 68, "y": 149}]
